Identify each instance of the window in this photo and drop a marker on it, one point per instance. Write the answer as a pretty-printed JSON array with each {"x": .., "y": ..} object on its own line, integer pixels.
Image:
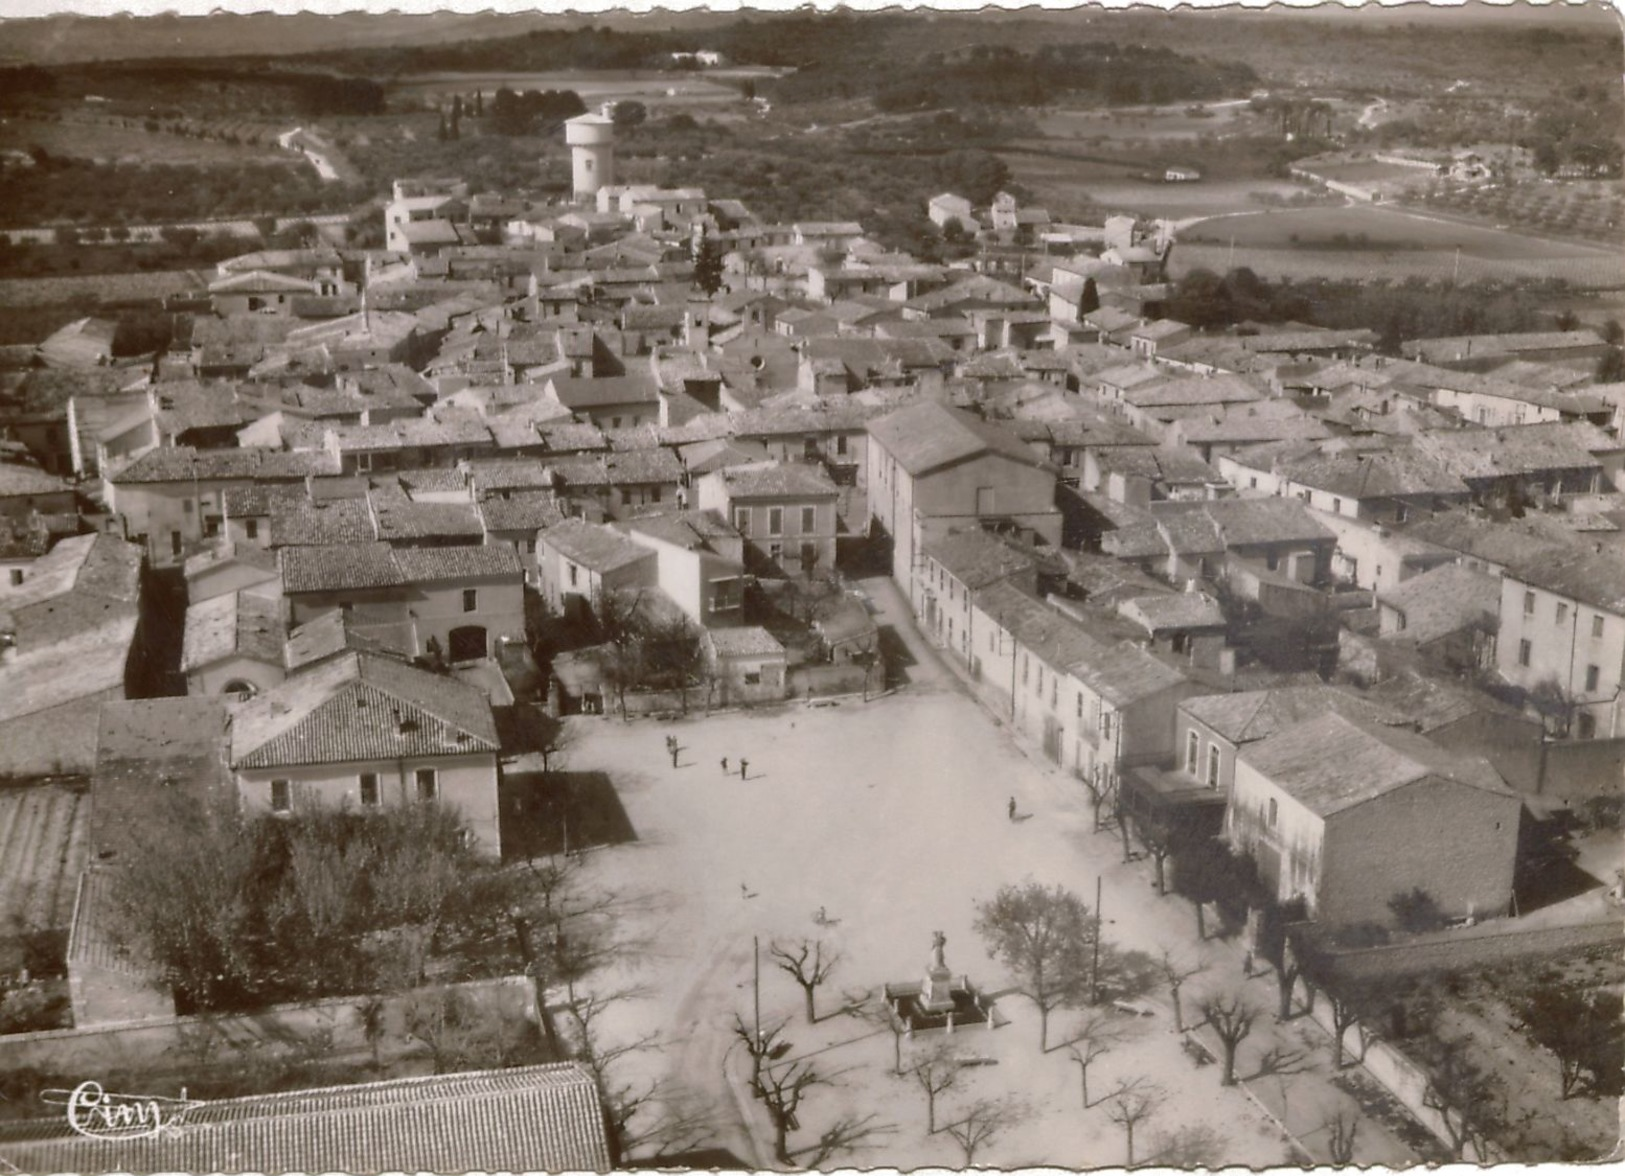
[
  {"x": 1562, "y": 612},
  {"x": 840, "y": 446},
  {"x": 1252, "y": 483},
  {"x": 1106, "y": 726},
  {"x": 281, "y": 796},
  {"x": 573, "y": 570},
  {"x": 363, "y": 462},
  {"x": 654, "y": 494},
  {"x": 1528, "y": 604},
  {"x": 1213, "y": 765},
  {"x": 1596, "y": 625},
  {"x": 188, "y": 506},
  {"x": 1585, "y": 725},
  {"x": 626, "y": 497},
  {"x": 16, "y": 576},
  {"x": 1273, "y": 813},
  {"x": 753, "y": 677},
  {"x": 1193, "y": 749},
  {"x": 251, "y": 528},
  {"x": 1080, "y": 704},
  {"x": 1337, "y": 506},
  {"x": 1523, "y": 652},
  {"x": 775, "y": 552},
  {"x": 1592, "y": 675},
  {"x": 775, "y": 520},
  {"x": 1024, "y": 668},
  {"x": 1040, "y": 686},
  {"x": 809, "y": 517},
  {"x": 428, "y": 784},
  {"x": 990, "y": 646},
  {"x": 742, "y": 519},
  {"x": 471, "y": 600},
  {"x": 1054, "y": 689},
  {"x": 1274, "y": 562},
  {"x": 809, "y": 557},
  {"x": 174, "y": 543},
  {"x": 369, "y": 789}
]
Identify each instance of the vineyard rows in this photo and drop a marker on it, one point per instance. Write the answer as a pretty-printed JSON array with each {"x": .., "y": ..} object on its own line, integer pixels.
[
  {"x": 1301, "y": 264},
  {"x": 43, "y": 846}
]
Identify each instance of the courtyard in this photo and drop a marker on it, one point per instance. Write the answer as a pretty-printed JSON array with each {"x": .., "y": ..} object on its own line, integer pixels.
[{"x": 890, "y": 818}]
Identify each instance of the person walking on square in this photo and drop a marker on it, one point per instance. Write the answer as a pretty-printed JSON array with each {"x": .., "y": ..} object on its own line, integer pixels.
[
  {"x": 724, "y": 765},
  {"x": 1011, "y": 809},
  {"x": 744, "y": 766},
  {"x": 674, "y": 750}
]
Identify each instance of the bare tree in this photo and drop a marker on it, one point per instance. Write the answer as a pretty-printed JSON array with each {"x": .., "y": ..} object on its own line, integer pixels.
[
  {"x": 1157, "y": 837},
  {"x": 1232, "y": 1020},
  {"x": 1341, "y": 1130},
  {"x": 370, "y": 1012},
  {"x": 1174, "y": 973},
  {"x": 760, "y": 1046},
  {"x": 808, "y": 966},
  {"x": 1464, "y": 1098},
  {"x": 781, "y": 1093},
  {"x": 1130, "y": 1105},
  {"x": 1091, "y": 1041},
  {"x": 981, "y": 1124},
  {"x": 846, "y": 1134},
  {"x": 937, "y": 1072},
  {"x": 1196, "y": 1145},
  {"x": 1044, "y": 935},
  {"x": 883, "y": 1016}
]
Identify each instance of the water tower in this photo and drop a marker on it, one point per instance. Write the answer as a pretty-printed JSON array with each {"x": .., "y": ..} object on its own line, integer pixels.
[{"x": 592, "y": 153}]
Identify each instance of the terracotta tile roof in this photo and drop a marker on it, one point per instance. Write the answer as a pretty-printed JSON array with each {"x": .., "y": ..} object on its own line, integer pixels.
[
  {"x": 788, "y": 480},
  {"x": 1448, "y": 599},
  {"x": 747, "y": 641},
  {"x": 399, "y": 517},
  {"x": 296, "y": 521},
  {"x": 232, "y": 624},
  {"x": 424, "y": 565},
  {"x": 1592, "y": 576},
  {"x": 20, "y": 481},
  {"x": 976, "y": 558},
  {"x": 360, "y": 706},
  {"x": 594, "y": 547},
  {"x": 928, "y": 436},
  {"x": 182, "y": 463},
  {"x": 1257, "y": 714},
  {"x": 338, "y": 567},
  {"x": 151, "y": 745},
  {"x": 520, "y": 512},
  {"x": 577, "y": 393},
  {"x": 534, "y": 1118},
  {"x": 355, "y": 567},
  {"x": 1332, "y": 763}
]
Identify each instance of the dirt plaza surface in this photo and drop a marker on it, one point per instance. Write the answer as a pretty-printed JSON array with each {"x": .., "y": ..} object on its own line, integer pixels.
[{"x": 891, "y": 817}]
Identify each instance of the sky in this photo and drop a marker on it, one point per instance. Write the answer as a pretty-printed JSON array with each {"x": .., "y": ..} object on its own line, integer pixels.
[{"x": 27, "y": 8}]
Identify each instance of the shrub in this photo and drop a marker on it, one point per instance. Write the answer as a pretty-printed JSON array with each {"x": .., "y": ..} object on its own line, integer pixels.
[{"x": 1416, "y": 911}]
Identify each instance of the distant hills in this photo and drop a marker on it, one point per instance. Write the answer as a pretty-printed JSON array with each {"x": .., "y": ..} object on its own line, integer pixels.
[{"x": 56, "y": 40}]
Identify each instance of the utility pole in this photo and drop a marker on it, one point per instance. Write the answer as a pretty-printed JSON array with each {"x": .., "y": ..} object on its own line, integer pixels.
[
  {"x": 756, "y": 967},
  {"x": 1094, "y": 967}
]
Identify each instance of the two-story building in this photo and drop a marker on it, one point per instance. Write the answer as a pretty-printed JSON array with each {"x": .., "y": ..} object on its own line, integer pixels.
[
  {"x": 1562, "y": 625},
  {"x": 458, "y": 600},
  {"x": 933, "y": 468},
  {"x": 367, "y": 731},
  {"x": 786, "y": 514},
  {"x": 1348, "y": 816}
]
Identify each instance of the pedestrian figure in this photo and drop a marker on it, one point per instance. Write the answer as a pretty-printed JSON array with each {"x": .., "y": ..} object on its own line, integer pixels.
[
  {"x": 674, "y": 750},
  {"x": 1012, "y": 808},
  {"x": 724, "y": 765},
  {"x": 1247, "y": 963},
  {"x": 744, "y": 766}
]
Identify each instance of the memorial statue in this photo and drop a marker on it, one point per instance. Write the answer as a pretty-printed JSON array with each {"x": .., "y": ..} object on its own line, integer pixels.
[{"x": 938, "y": 942}]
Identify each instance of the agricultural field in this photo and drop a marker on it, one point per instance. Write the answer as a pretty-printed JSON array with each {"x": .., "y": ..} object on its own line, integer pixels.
[
  {"x": 1483, "y": 1010},
  {"x": 43, "y": 831},
  {"x": 1593, "y": 209},
  {"x": 1360, "y": 241},
  {"x": 1062, "y": 182},
  {"x": 651, "y": 87},
  {"x": 127, "y": 141}
]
